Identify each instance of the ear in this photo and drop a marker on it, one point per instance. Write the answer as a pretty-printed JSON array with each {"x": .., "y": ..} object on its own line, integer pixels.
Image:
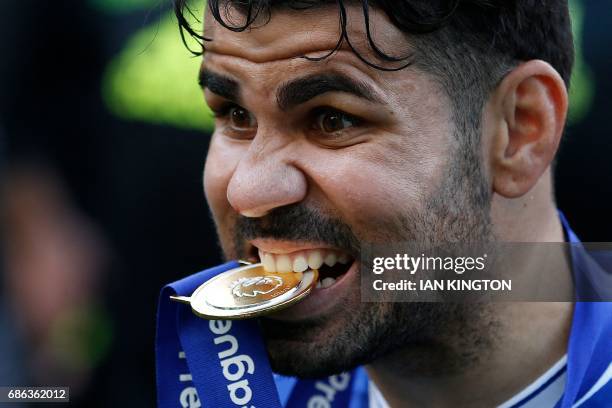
[{"x": 527, "y": 111}]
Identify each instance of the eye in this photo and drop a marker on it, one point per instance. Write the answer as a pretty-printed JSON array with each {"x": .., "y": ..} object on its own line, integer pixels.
[
  {"x": 240, "y": 118},
  {"x": 237, "y": 117},
  {"x": 331, "y": 121}
]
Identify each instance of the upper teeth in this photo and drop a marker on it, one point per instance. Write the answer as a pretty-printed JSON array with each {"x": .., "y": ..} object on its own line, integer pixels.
[{"x": 301, "y": 260}]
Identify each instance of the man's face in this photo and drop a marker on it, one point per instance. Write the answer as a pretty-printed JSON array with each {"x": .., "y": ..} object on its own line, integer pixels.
[{"x": 311, "y": 158}]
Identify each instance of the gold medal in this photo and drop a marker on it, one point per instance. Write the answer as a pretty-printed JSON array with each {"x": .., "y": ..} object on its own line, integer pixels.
[{"x": 249, "y": 291}]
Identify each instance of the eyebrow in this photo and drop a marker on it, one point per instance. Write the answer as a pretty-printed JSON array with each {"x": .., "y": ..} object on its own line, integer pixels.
[
  {"x": 219, "y": 84},
  {"x": 294, "y": 92},
  {"x": 301, "y": 90}
]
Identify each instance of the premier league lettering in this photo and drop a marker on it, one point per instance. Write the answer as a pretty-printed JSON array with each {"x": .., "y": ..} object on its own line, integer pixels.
[
  {"x": 234, "y": 366},
  {"x": 189, "y": 395},
  {"x": 328, "y": 390}
]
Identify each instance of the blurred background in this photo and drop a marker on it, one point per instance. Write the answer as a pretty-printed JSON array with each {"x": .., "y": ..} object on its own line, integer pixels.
[{"x": 103, "y": 135}]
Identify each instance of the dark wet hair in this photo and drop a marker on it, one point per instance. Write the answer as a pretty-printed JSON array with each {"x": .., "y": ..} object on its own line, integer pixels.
[{"x": 468, "y": 45}]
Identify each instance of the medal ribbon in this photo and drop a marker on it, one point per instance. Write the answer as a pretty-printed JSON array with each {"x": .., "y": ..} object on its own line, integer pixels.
[{"x": 223, "y": 363}]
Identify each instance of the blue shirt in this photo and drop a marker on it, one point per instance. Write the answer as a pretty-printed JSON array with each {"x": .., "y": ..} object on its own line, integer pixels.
[{"x": 582, "y": 378}]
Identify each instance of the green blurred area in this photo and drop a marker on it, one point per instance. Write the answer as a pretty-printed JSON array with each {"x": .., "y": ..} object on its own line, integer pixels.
[
  {"x": 153, "y": 79},
  {"x": 123, "y": 6},
  {"x": 81, "y": 338},
  {"x": 582, "y": 88}
]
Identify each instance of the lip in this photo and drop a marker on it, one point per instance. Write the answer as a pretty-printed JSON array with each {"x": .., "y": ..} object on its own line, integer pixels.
[
  {"x": 286, "y": 247},
  {"x": 322, "y": 300}
]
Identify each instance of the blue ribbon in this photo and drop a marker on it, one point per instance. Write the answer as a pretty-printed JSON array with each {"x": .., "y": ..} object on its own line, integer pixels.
[{"x": 223, "y": 363}]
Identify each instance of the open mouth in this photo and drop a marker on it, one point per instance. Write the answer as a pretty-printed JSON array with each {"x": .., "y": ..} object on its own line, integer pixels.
[{"x": 331, "y": 263}]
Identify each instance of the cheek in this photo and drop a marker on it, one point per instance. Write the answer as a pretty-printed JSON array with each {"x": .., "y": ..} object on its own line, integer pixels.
[
  {"x": 372, "y": 187},
  {"x": 221, "y": 162},
  {"x": 370, "y": 197}
]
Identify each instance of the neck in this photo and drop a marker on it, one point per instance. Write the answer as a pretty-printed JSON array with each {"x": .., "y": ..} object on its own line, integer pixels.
[
  {"x": 532, "y": 339},
  {"x": 528, "y": 338}
]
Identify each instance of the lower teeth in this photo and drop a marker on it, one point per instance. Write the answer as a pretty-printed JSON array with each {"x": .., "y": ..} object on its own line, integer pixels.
[{"x": 326, "y": 282}]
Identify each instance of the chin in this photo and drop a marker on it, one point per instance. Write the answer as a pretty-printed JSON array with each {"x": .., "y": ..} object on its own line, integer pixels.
[
  {"x": 412, "y": 338},
  {"x": 311, "y": 349}
]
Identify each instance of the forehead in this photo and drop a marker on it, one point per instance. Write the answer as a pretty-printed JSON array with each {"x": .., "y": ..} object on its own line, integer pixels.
[{"x": 314, "y": 32}]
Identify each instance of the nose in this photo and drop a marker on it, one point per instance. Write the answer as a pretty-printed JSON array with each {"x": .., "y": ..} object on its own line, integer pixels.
[{"x": 265, "y": 179}]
